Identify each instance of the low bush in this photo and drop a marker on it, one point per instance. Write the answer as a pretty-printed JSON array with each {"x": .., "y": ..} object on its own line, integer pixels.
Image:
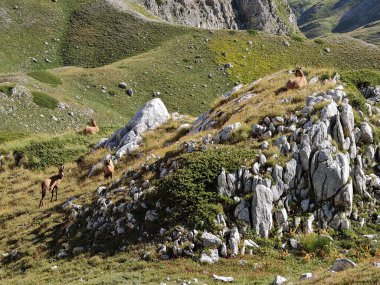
[
  {"x": 44, "y": 100},
  {"x": 6, "y": 89},
  {"x": 53, "y": 152},
  {"x": 191, "y": 191},
  {"x": 317, "y": 244},
  {"x": 45, "y": 77}
]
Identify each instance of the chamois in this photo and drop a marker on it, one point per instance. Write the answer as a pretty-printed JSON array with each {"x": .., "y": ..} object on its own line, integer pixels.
[
  {"x": 108, "y": 168},
  {"x": 92, "y": 129},
  {"x": 299, "y": 82},
  {"x": 51, "y": 184}
]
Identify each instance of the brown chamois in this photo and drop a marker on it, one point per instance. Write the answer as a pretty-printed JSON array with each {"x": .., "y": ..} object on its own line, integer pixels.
[
  {"x": 108, "y": 168},
  {"x": 51, "y": 184},
  {"x": 92, "y": 129},
  {"x": 299, "y": 82}
]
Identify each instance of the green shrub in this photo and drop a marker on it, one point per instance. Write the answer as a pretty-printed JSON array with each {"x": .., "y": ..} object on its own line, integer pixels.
[
  {"x": 316, "y": 244},
  {"x": 53, "y": 152},
  {"x": 252, "y": 32},
  {"x": 44, "y": 100},
  {"x": 319, "y": 41},
  {"x": 159, "y": 2},
  {"x": 191, "y": 191},
  {"x": 298, "y": 38},
  {"x": 112, "y": 92},
  {"x": 357, "y": 101},
  {"x": 361, "y": 77},
  {"x": 45, "y": 77},
  {"x": 6, "y": 89}
]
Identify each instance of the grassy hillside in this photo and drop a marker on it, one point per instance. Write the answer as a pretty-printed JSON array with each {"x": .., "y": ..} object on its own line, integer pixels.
[
  {"x": 188, "y": 72},
  {"x": 37, "y": 234},
  {"x": 369, "y": 33},
  {"x": 316, "y": 18}
]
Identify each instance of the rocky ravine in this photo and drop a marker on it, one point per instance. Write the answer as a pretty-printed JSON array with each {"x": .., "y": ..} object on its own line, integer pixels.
[
  {"x": 265, "y": 15},
  {"x": 331, "y": 158}
]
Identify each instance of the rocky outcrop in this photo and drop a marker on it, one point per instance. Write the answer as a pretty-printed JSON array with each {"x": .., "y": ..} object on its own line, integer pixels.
[
  {"x": 262, "y": 210},
  {"x": 327, "y": 157},
  {"x": 150, "y": 116},
  {"x": 261, "y": 15}
]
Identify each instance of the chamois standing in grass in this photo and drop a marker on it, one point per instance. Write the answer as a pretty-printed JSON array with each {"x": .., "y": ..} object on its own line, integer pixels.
[
  {"x": 51, "y": 184},
  {"x": 108, "y": 168},
  {"x": 299, "y": 82},
  {"x": 92, "y": 129}
]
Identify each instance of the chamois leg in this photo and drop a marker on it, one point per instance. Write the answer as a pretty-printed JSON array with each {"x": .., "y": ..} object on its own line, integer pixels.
[
  {"x": 52, "y": 195},
  {"x": 43, "y": 194},
  {"x": 56, "y": 193}
]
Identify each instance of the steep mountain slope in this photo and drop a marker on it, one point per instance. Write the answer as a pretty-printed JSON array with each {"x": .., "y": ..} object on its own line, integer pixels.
[
  {"x": 316, "y": 18},
  {"x": 269, "y": 16}
]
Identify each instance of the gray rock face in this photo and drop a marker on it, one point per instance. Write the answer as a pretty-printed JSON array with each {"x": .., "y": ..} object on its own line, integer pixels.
[
  {"x": 328, "y": 174},
  {"x": 367, "y": 133},
  {"x": 226, "y": 14},
  {"x": 242, "y": 211},
  {"x": 209, "y": 239},
  {"x": 262, "y": 210},
  {"x": 210, "y": 258},
  {"x": 226, "y": 132},
  {"x": 128, "y": 138},
  {"x": 347, "y": 118}
]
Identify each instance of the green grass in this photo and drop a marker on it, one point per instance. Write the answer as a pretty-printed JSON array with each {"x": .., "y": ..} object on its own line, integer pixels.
[
  {"x": 94, "y": 39},
  {"x": 268, "y": 54},
  {"x": 44, "y": 100},
  {"x": 6, "y": 89},
  {"x": 10, "y": 136},
  {"x": 45, "y": 77}
]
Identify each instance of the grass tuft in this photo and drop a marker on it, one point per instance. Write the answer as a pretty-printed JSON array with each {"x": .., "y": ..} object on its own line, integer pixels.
[
  {"x": 45, "y": 77},
  {"x": 44, "y": 100}
]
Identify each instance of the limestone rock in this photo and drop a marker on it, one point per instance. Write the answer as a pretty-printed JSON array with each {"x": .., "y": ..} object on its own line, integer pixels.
[
  {"x": 128, "y": 138},
  {"x": 262, "y": 210}
]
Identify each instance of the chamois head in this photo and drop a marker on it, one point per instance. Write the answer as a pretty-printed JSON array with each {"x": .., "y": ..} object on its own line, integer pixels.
[
  {"x": 61, "y": 169},
  {"x": 108, "y": 162},
  {"x": 299, "y": 72},
  {"x": 93, "y": 122}
]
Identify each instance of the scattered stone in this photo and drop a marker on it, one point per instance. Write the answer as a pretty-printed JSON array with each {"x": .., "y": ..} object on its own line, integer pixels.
[
  {"x": 279, "y": 280},
  {"x": 123, "y": 85},
  {"x": 306, "y": 276},
  {"x": 222, "y": 278},
  {"x": 342, "y": 264}
]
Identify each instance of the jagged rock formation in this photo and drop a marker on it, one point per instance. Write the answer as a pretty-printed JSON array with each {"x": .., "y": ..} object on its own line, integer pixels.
[
  {"x": 128, "y": 138},
  {"x": 265, "y": 15},
  {"x": 330, "y": 158}
]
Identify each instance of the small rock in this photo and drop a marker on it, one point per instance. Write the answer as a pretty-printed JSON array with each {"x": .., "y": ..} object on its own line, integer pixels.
[
  {"x": 306, "y": 276},
  {"x": 222, "y": 278},
  {"x": 122, "y": 85},
  {"x": 328, "y": 50},
  {"x": 129, "y": 91},
  {"x": 342, "y": 264},
  {"x": 279, "y": 280}
]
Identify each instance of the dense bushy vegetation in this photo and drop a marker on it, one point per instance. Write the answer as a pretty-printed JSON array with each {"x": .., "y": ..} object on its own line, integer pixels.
[
  {"x": 53, "y": 152},
  {"x": 191, "y": 192}
]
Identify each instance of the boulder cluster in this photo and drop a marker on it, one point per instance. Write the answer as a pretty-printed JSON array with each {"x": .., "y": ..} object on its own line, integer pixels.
[{"x": 325, "y": 156}]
